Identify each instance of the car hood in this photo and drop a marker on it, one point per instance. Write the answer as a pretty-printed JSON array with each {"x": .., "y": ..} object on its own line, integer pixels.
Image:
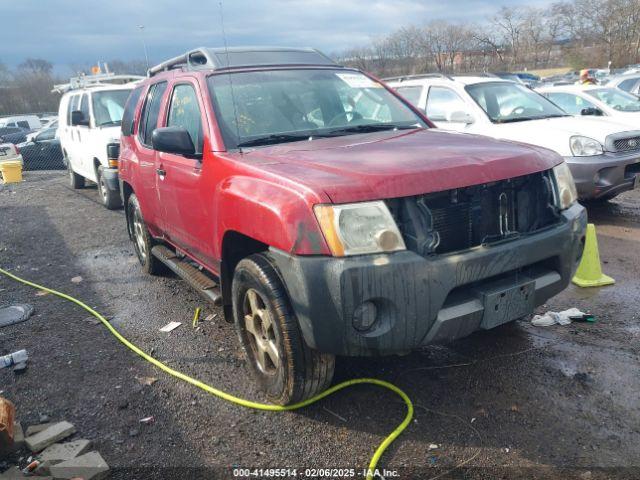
[
  {"x": 397, "y": 164},
  {"x": 554, "y": 133}
]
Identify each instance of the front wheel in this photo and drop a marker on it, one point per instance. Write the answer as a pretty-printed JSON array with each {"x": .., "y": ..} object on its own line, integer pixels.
[
  {"x": 109, "y": 198},
  {"x": 286, "y": 369},
  {"x": 75, "y": 181},
  {"x": 142, "y": 240}
]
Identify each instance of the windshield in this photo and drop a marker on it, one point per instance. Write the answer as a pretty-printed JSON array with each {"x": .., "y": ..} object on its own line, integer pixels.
[
  {"x": 108, "y": 106},
  {"x": 274, "y": 106},
  {"x": 617, "y": 99},
  {"x": 505, "y": 102}
]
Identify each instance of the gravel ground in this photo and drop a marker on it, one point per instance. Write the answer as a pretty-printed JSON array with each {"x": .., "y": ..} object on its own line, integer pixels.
[{"x": 519, "y": 401}]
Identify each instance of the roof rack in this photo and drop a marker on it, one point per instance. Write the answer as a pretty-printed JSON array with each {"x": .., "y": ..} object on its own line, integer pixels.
[
  {"x": 241, "y": 57},
  {"x": 403, "y": 78},
  {"x": 99, "y": 80}
]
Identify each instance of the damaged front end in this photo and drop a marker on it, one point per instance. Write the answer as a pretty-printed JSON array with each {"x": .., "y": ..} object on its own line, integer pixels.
[{"x": 463, "y": 218}]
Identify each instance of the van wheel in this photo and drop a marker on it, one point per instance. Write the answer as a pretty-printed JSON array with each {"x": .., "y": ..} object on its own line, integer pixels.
[
  {"x": 142, "y": 240},
  {"x": 75, "y": 181},
  {"x": 286, "y": 369},
  {"x": 110, "y": 199}
]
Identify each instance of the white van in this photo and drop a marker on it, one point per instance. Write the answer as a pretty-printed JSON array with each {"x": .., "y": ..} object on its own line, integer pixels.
[
  {"x": 27, "y": 122},
  {"x": 89, "y": 125}
]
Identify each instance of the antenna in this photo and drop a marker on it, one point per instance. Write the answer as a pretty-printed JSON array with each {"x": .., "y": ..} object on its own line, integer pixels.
[{"x": 229, "y": 75}]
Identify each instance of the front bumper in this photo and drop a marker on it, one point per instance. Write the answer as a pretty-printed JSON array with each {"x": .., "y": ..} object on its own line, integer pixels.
[
  {"x": 617, "y": 172},
  {"x": 428, "y": 300},
  {"x": 111, "y": 179}
]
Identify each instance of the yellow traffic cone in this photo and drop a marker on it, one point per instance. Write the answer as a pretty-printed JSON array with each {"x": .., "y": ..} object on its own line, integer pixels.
[{"x": 589, "y": 272}]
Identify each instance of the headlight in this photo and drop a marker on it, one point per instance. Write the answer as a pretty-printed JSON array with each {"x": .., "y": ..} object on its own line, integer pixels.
[
  {"x": 584, "y": 146},
  {"x": 359, "y": 228},
  {"x": 565, "y": 186}
]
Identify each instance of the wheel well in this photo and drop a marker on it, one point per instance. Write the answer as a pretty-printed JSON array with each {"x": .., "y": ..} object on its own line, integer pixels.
[
  {"x": 235, "y": 247},
  {"x": 127, "y": 191},
  {"x": 96, "y": 165}
]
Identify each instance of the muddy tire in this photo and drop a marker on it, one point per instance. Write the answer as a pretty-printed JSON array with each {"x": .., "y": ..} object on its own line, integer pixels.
[
  {"x": 142, "y": 240},
  {"x": 109, "y": 198},
  {"x": 75, "y": 181},
  {"x": 286, "y": 369}
]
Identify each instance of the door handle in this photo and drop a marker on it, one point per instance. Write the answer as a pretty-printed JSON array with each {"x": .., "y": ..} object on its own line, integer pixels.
[{"x": 161, "y": 172}]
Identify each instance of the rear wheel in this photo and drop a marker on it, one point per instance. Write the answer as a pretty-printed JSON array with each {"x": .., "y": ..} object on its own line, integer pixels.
[
  {"x": 75, "y": 181},
  {"x": 142, "y": 240},
  {"x": 286, "y": 369},
  {"x": 110, "y": 199}
]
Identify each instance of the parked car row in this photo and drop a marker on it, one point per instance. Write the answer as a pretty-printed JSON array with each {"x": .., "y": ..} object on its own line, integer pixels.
[
  {"x": 36, "y": 140},
  {"x": 603, "y": 153}
]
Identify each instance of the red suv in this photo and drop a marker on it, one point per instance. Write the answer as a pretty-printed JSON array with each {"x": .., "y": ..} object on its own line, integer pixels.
[{"x": 328, "y": 217}]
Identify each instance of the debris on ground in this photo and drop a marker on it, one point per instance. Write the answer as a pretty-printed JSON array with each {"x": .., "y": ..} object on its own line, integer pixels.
[
  {"x": 49, "y": 436},
  {"x": 61, "y": 452},
  {"x": 90, "y": 466},
  {"x": 14, "y": 359},
  {"x": 170, "y": 326},
  {"x": 77, "y": 279},
  {"x": 561, "y": 318},
  {"x": 196, "y": 317},
  {"x": 7, "y": 421},
  {"x": 147, "y": 420},
  {"x": 433, "y": 446},
  {"x": 148, "y": 381},
  {"x": 33, "y": 429},
  {"x": 18, "y": 435},
  {"x": 12, "y": 314}
]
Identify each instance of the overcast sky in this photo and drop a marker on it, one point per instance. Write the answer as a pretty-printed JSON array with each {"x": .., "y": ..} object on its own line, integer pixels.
[{"x": 68, "y": 32}]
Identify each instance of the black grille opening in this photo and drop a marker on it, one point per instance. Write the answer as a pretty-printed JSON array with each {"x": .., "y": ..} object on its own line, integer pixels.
[
  {"x": 463, "y": 218},
  {"x": 632, "y": 170},
  {"x": 626, "y": 144}
]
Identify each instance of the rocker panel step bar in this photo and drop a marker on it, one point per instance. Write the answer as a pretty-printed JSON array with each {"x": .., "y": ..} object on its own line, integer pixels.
[{"x": 190, "y": 274}]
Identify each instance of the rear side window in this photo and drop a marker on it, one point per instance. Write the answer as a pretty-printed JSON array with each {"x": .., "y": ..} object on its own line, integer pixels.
[
  {"x": 70, "y": 108},
  {"x": 627, "y": 85},
  {"x": 442, "y": 102},
  {"x": 24, "y": 124},
  {"x": 412, "y": 93},
  {"x": 185, "y": 112},
  {"x": 150, "y": 112},
  {"x": 129, "y": 112},
  {"x": 84, "y": 107}
]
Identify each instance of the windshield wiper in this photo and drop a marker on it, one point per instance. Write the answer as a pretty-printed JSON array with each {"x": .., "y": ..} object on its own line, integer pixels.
[
  {"x": 526, "y": 119},
  {"x": 274, "y": 138},
  {"x": 112, "y": 122},
  {"x": 373, "y": 127}
]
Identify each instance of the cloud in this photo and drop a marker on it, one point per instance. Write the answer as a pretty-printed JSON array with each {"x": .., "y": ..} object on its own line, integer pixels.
[{"x": 68, "y": 32}]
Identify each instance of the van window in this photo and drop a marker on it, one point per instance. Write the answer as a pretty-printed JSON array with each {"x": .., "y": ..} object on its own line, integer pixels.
[
  {"x": 129, "y": 112},
  {"x": 72, "y": 107},
  {"x": 151, "y": 109},
  {"x": 84, "y": 107},
  {"x": 108, "y": 107},
  {"x": 185, "y": 112},
  {"x": 24, "y": 124}
]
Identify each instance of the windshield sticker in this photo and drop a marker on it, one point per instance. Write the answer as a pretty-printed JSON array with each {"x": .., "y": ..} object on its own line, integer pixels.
[{"x": 358, "y": 80}]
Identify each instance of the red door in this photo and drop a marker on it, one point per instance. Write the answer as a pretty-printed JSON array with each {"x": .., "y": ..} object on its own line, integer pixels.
[
  {"x": 146, "y": 156},
  {"x": 185, "y": 197}
]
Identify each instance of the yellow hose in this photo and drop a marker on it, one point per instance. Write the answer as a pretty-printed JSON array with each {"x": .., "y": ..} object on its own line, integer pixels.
[{"x": 241, "y": 401}]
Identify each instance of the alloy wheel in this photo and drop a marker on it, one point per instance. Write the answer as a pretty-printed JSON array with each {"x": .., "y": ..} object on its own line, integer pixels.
[
  {"x": 138, "y": 233},
  {"x": 261, "y": 332}
]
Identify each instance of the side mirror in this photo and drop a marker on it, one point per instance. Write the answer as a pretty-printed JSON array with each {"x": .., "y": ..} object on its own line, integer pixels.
[
  {"x": 173, "y": 140},
  {"x": 461, "y": 117},
  {"x": 77, "y": 118},
  {"x": 591, "y": 111}
]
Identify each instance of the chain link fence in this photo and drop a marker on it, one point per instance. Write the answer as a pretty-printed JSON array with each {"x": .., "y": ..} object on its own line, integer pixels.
[{"x": 39, "y": 147}]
